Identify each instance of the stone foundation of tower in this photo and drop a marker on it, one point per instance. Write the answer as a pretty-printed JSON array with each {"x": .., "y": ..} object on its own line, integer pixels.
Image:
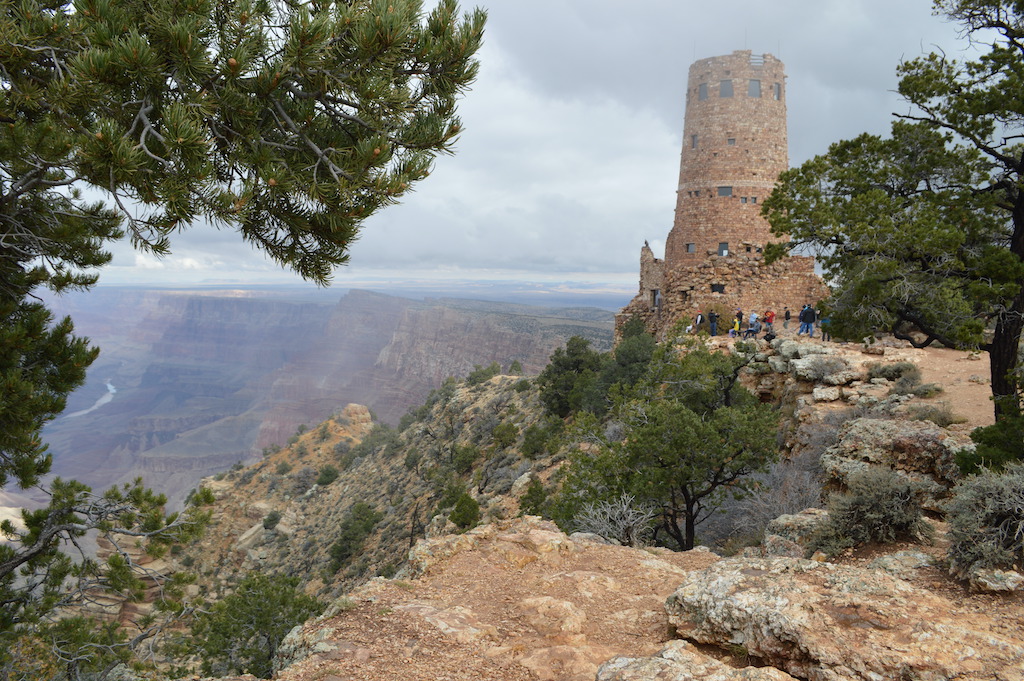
[{"x": 724, "y": 284}]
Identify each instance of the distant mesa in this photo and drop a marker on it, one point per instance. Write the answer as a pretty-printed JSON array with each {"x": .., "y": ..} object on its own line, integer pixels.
[{"x": 734, "y": 148}]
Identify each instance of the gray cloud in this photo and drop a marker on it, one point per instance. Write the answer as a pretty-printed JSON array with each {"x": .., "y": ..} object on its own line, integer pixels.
[{"x": 570, "y": 152}]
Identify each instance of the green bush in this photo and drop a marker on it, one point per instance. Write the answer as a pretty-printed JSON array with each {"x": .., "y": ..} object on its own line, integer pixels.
[
  {"x": 481, "y": 374},
  {"x": 995, "y": 446},
  {"x": 242, "y": 632},
  {"x": 355, "y": 528},
  {"x": 986, "y": 521},
  {"x": 568, "y": 375},
  {"x": 522, "y": 385},
  {"x": 463, "y": 458},
  {"x": 878, "y": 506},
  {"x": 283, "y": 468},
  {"x": 412, "y": 459},
  {"x": 535, "y": 440},
  {"x": 534, "y": 499},
  {"x": 328, "y": 474},
  {"x": 505, "y": 434},
  {"x": 201, "y": 497},
  {"x": 271, "y": 520},
  {"x": 466, "y": 513},
  {"x": 382, "y": 438}
]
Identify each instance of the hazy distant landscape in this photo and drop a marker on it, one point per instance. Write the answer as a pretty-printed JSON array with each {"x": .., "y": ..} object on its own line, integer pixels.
[{"x": 191, "y": 381}]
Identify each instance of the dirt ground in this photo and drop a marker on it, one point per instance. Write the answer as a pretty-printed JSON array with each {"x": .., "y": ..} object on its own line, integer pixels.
[{"x": 964, "y": 377}]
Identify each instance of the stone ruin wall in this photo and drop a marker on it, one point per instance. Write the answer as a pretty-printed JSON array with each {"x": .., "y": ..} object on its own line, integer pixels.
[{"x": 750, "y": 285}]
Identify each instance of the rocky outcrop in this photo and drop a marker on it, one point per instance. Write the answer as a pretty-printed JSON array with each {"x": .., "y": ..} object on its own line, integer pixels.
[
  {"x": 681, "y": 661},
  {"x": 513, "y": 599},
  {"x": 918, "y": 450},
  {"x": 825, "y": 622}
]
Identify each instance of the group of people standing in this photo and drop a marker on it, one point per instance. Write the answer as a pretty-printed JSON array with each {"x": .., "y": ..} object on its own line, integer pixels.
[{"x": 753, "y": 324}]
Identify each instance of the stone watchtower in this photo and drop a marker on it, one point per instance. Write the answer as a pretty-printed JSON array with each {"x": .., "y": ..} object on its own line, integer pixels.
[{"x": 734, "y": 148}]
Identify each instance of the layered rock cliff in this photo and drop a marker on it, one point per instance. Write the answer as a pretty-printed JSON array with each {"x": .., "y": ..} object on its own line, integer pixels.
[{"x": 206, "y": 379}]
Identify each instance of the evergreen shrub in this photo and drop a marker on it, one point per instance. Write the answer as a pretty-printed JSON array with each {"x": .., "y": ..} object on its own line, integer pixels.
[
  {"x": 328, "y": 474},
  {"x": 878, "y": 506},
  {"x": 466, "y": 513},
  {"x": 986, "y": 521}
]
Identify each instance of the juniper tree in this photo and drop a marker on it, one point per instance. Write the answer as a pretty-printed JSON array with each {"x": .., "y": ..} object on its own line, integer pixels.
[
  {"x": 922, "y": 233},
  {"x": 683, "y": 436}
]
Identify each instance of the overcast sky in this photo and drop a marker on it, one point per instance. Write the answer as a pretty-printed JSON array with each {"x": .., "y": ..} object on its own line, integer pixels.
[{"x": 570, "y": 154}]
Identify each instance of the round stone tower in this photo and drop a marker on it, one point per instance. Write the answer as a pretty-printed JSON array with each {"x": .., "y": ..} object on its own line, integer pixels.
[{"x": 734, "y": 147}]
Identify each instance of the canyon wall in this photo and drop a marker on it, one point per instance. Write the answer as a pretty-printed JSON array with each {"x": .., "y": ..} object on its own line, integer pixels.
[{"x": 204, "y": 379}]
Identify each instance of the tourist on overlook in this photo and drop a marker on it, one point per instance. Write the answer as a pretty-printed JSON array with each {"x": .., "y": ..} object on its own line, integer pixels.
[
  {"x": 713, "y": 322},
  {"x": 769, "y": 321},
  {"x": 807, "y": 318},
  {"x": 786, "y": 317}
]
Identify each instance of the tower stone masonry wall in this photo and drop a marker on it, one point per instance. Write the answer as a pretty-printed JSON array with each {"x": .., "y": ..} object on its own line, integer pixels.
[{"x": 734, "y": 148}]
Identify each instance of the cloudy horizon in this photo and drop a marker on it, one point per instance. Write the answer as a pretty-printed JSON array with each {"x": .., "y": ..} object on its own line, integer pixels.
[{"x": 569, "y": 158}]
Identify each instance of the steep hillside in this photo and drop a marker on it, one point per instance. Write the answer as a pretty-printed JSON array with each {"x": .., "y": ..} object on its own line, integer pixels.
[
  {"x": 403, "y": 477},
  {"x": 515, "y": 598}
]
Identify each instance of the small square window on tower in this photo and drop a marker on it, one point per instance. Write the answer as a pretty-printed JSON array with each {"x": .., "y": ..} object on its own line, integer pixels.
[
  {"x": 743, "y": 199},
  {"x": 691, "y": 248},
  {"x": 753, "y": 88},
  {"x": 718, "y": 288},
  {"x": 731, "y": 141},
  {"x": 725, "y": 88},
  {"x": 723, "y": 248},
  {"x": 725, "y": 191}
]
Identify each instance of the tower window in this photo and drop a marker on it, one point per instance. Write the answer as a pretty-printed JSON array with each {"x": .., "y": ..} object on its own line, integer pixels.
[
  {"x": 691, "y": 248},
  {"x": 753, "y": 88},
  {"x": 702, "y": 91},
  {"x": 723, "y": 248},
  {"x": 718, "y": 288},
  {"x": 777, "y": 90},
  {"x": 725, "y": 88},
  {"x": 693, "y": 141},
  {"x": 731, "y": 141},
  {"x": 725, "y": 191},
  {"x": 743, "y": 199}
]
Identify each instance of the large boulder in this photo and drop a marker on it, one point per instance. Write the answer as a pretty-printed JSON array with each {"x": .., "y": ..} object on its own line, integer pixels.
[
  {"x": 919, "y": 450},
  {"x": 825, "y": 622}
]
